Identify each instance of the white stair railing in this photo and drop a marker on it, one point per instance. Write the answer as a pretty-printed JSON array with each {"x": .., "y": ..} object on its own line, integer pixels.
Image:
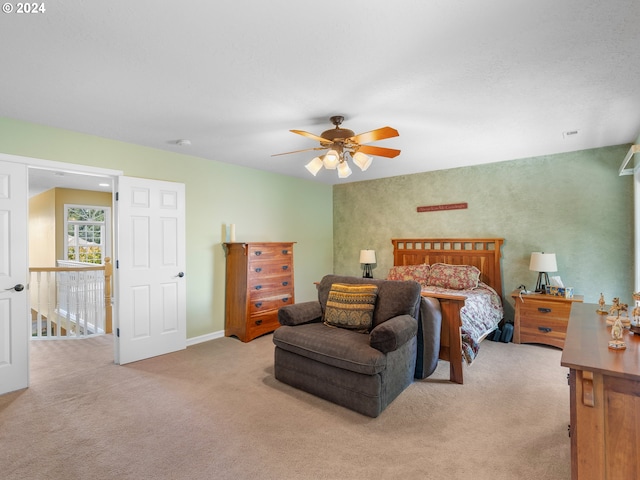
[{"x": 70, "y": 301}]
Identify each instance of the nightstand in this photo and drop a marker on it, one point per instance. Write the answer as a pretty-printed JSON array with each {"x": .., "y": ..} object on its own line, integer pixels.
[{"x": 541, "y": 318}]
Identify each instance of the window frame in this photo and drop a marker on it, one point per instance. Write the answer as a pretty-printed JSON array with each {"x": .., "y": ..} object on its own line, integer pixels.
[{"x": 105, "y": 237}]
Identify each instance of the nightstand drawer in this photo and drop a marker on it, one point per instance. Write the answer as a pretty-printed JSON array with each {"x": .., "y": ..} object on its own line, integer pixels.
[
  {"x": 550, "y": 331},
  {"x": 544, "y": 311}
]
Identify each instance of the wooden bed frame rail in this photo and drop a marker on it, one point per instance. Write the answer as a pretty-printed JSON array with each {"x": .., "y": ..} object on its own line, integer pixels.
[{"x": 483, "y": 253}]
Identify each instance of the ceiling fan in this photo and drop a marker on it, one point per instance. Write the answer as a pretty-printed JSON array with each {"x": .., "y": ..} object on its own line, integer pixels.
[{"x": 343, "y": 144}]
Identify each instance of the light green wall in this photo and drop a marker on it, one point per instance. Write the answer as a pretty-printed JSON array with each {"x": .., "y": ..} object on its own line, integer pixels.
[
  {"x": 264, "y": 207},
  {"x": 573, "y": 204}
]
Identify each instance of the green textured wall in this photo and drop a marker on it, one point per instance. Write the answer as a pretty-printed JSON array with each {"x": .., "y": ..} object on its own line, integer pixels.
[
  {"x": 573, "y": 204},
  {"x": 264, "y": 207}
]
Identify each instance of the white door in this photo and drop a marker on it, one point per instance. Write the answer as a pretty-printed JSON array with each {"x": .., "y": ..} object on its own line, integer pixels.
[
  {"x": 150, "y": 265},
  {"x": 14, "y": 323}
]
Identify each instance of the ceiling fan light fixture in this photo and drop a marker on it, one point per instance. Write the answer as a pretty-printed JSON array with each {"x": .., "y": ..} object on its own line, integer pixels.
[
  {"x": 331, "y": 160},
  {"x": 362, "y": 160},
  {"x": 314, "y": 166},
  {"x": 343, "y": 170},
  {"x": 344, "y": 146}
]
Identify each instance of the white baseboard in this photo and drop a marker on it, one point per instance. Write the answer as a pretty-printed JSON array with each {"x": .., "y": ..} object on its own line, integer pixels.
[{"x": 205, "y": 338}]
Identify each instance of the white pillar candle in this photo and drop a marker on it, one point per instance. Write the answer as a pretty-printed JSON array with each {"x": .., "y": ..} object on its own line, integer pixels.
[{"x": 232, "y": 232}]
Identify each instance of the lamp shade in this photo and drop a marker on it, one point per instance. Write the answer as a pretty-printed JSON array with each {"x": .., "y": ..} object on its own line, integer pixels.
[
  {"x": 363, "y": 161},
  {"x": 543, "y": 262},
  {"x": 343, "y": 170},
  {"x": 367, "y": 256},
  {"x": 314, "y": 166},
  {"x": 331, "y": 160}
]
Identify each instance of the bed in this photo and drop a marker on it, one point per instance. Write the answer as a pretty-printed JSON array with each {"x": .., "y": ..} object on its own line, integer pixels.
[{"x": 465, "y": 320}]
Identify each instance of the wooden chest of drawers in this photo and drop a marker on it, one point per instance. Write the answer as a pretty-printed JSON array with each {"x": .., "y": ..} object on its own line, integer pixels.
[
  {"x": 541, "y": 318},
  {"x": 259, "y": 281}
]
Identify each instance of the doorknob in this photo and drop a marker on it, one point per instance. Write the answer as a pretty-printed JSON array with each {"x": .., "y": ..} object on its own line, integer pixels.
[
  {"x": 181, "y": 274},
  {"x": 18, "y": 288}
]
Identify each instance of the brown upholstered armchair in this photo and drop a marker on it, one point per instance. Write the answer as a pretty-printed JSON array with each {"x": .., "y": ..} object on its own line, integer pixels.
[{"x": 319, "y": 351}]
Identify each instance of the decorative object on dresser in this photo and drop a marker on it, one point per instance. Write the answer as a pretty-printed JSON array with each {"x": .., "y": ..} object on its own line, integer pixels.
[
  {"x": 601, "y": 304},
  {"x": 367, "y": 258},
  {"x": 543, "y": 263},
  {"x": 618, "y": 308},
  {"x": 541, "y": 318},
  {"x": 604, "y": 396},
  {"x": 460, "y": 328},
  {"x": 259, "y": 281},
  {"x": 616, "y": 342}
]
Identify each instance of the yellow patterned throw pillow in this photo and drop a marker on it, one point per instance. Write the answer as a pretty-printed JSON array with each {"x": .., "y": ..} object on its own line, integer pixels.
[{"x": 351, "y": 306}]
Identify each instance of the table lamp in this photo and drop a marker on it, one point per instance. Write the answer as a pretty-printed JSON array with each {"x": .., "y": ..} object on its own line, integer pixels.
[
  {"x": 367, "y": 257},
  {"x": 542, "y": 263}
]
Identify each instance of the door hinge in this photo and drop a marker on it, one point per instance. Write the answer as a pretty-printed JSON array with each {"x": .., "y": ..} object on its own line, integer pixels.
[
  {"x": 117, "y": 196},
  {"x": 118, "y": 332},
  {"x": 117, "y": 264}
]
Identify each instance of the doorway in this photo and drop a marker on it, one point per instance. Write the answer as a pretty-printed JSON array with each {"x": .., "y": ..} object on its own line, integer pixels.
[{"x": 69, "y": 227}]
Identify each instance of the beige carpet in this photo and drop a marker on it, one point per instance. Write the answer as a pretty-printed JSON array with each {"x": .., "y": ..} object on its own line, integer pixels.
[{"x": 215, "y": 411}]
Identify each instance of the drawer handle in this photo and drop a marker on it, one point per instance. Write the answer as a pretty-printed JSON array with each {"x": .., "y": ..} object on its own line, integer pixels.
[
  {"x": 285, "y": 299},
  {"x": 285, "y": 267},
  {"x": 258, "y": 322},
  {"x": 258, "y": 270},
  {"x": 284, "y": 284},
  {"x": 258, "y": 287},
  {"x": 258, "y": 253},
  {"x": 258, "y": 305},
  {"x": 544, "y": 329},
  {"x": 544, "y": 310},
  {"x": 285, "y": 252}
]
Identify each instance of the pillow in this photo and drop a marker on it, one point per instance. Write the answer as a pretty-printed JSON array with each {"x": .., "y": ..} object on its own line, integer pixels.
[
  {"x": 455, "y": 277},
  {"x": 418, "y": 273},
  {"x": 351, "y": 306}
]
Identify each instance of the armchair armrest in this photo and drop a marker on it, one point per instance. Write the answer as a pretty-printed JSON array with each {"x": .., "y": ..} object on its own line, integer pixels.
[
  {"x": 300, "y": 313},
  {"x": 392, "y": 334}
]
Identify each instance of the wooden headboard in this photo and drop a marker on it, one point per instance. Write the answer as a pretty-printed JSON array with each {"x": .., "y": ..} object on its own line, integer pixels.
[{"x": 484, "y": 253}]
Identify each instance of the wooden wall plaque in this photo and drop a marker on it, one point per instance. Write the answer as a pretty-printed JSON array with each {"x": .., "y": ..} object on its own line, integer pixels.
[{"x": 438, "y": 208}]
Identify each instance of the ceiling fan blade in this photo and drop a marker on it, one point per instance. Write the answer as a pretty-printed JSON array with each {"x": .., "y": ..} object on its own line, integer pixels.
[
  {"x": 310, "y": 135},
  {"x": 379, "y": 151},
  {"x": 373, "y": 135},
  {"x": 298, "y": 151}
]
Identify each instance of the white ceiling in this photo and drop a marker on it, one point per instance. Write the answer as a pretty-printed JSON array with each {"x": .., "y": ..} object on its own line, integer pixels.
[
  {"x": 43, "y": 179},
  {"x": 463, "y": 81}
]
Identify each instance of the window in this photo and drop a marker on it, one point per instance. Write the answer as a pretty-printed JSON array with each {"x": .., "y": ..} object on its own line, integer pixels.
[{"x": 88, "y": 233}]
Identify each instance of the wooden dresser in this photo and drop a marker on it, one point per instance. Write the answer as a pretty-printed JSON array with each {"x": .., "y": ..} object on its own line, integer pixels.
[
  {"x": 259, "y": 281},
  {"x": 541, "y": 318},
  {"x": 605, "y": 398}
]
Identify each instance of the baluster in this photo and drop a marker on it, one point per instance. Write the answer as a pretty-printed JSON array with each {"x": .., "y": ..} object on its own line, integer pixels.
[
  {"x": 90, "y": 307},
  {"x": 64, "y": 321},
  {"x": 38, "y": 308},
  {"x": 51, "y": 307},
  {"x": 81, "y": 302},
  {"x": 102, "y": 301}
]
